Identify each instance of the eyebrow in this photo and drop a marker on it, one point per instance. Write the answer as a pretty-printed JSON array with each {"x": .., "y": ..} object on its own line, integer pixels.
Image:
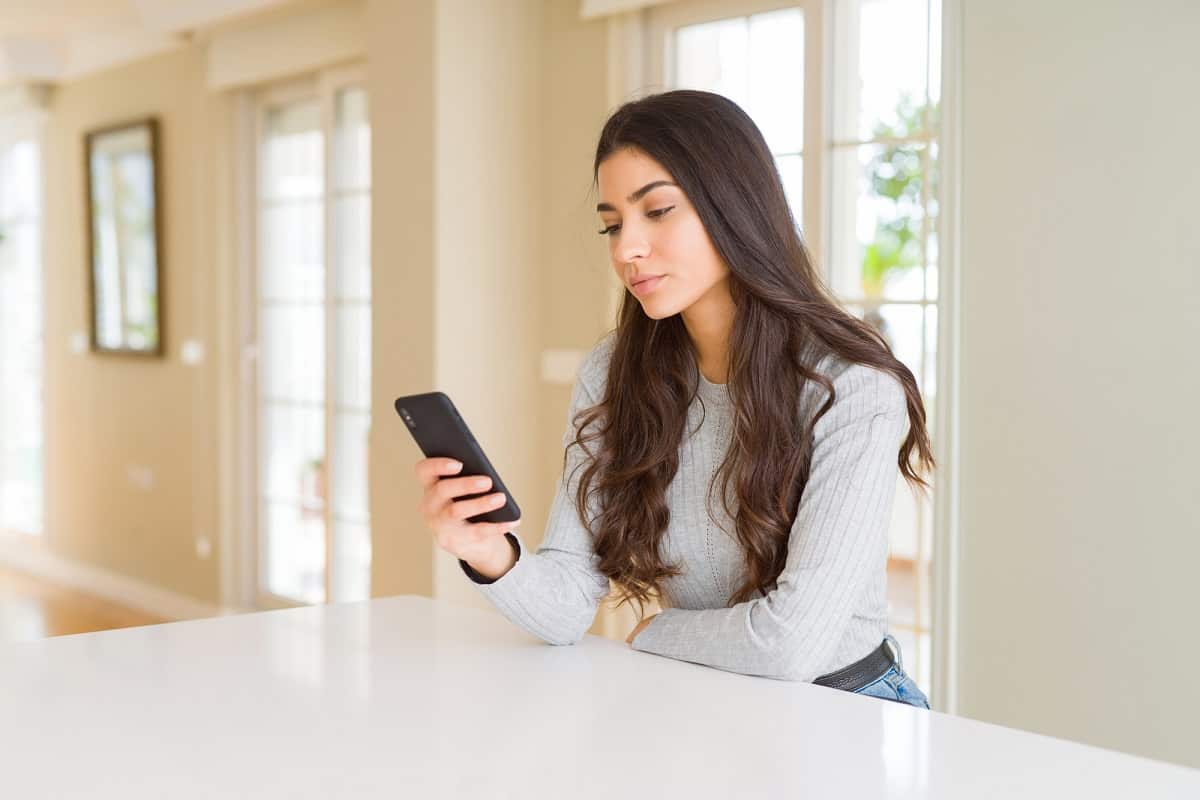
[{"x": 638, "y": 195}]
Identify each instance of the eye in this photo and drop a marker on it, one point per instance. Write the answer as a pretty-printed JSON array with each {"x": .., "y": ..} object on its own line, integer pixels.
[{"x": 658, "y": 212}]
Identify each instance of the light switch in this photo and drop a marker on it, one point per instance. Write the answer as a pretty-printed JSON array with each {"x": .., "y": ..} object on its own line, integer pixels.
[{"x": 191, "y": 352}]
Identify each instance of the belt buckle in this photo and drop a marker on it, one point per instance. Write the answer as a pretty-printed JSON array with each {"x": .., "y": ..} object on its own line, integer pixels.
[{"x": 894, "y": 648}]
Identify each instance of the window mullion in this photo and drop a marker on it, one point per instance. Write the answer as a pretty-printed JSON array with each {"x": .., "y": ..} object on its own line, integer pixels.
[
  {"x": 816, "y": 106},
  {"x": 327, "y": 128}
]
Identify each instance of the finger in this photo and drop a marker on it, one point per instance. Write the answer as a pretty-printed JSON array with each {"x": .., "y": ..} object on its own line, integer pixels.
[
  {"x": 469, "y": 508},
  {"x": 450, "y": 488},
  {"x": 445, "y": 490},
  {"x": 430, "y": 470}
]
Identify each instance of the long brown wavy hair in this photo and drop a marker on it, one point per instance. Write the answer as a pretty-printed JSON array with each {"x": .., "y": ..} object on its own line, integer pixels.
[{"x": 785, "y": 320}]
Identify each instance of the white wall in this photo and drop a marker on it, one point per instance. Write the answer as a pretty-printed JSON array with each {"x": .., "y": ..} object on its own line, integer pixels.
[{"x": 1081, "y": 318}]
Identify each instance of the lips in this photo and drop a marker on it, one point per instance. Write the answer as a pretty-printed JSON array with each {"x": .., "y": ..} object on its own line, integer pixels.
[{"x": 647, "y": 284}]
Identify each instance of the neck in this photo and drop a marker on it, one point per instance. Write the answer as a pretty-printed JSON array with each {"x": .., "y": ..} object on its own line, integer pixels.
[{"x": 709, "y": 323}]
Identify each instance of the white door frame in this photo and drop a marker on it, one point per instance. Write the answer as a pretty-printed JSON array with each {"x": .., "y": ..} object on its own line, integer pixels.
[{"x": 242, "y": 560}]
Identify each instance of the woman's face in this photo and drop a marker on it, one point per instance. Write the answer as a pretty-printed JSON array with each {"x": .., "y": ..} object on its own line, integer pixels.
[{"x": 655, "y": 237}]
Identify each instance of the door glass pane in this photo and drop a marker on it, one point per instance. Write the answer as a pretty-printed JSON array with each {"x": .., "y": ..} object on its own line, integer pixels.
[
  {"x": 713, "y": 57},
  {"x": 291, "y": 325},
  {"x": 21, "y": 470},
  {"x": 758, "y": 62},
  {"x": 350, "y": 464},
  {"x": 791, "y": 171},
  {"x": 902, "y": 326},
  {"x": 776, "y": 78},
  {"x": 293, "y": 165},
  {"x": 934, "y": 42},
  {"x": 352, "y": 246},
  {"x": 351, "y": 578},
  {"x": 292, "y": 253},
  {"x": 292, "y": 442},
  {"x": 293, "y": 353},
  {"x": 929, "y": 385},
  {"x": 893, "y": 67},
  {"x": 878, "y": 222},
  {"x": 353, "y": 368},
  {"x": 294, "y": 552},
  {"x": 931, "y": 225},
  {"x": 352, "y": 561},
  {"x": 293, "y": 507},
  {"x": 352, "y": 140}
]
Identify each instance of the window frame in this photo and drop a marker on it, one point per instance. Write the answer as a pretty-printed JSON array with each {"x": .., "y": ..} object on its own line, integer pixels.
[
  {"x": 661, "y": 22},
  {"x": 635, "y": 53}
]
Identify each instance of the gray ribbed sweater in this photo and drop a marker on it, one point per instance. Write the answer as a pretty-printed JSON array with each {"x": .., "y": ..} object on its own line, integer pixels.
[{"x": 828, "y": 608}]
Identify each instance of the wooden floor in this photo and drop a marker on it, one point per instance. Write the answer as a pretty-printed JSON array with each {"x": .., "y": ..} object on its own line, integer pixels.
[{"x": 31, "y": 608}]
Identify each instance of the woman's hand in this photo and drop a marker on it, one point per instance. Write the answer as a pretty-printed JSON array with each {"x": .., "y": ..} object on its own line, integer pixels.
[
  {"x": 640, "y": 626},
  {"x": 481, "y": 544}
]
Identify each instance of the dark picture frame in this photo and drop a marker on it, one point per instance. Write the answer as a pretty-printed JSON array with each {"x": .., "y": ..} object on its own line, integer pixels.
[{"x": 123, "y": 202}]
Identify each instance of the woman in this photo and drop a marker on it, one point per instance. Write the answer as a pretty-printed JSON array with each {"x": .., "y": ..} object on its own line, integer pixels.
[{"x": 730, "y": 367}]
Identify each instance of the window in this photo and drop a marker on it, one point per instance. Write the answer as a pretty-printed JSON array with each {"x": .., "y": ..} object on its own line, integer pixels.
[
  {"x": 764, "y": 55},
  {"x": 882, "y": 255},
  {"x": 314, "y": 342},
  {"x": 21, "y": 443},
  {"x": 861, "y": 178}
]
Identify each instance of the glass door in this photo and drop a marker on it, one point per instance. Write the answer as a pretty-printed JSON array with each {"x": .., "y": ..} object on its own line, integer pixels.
[{"x": 314, "y": 345}]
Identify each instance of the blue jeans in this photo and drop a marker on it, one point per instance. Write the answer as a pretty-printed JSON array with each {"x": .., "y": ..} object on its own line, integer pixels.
[{"x": 895, "y": 685}]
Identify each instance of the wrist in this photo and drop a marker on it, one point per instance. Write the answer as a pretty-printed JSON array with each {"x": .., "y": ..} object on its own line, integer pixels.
[{"x": 496, "y": 565}]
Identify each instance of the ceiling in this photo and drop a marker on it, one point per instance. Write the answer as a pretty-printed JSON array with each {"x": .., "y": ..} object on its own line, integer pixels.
[{"x": 60, "y": 40}]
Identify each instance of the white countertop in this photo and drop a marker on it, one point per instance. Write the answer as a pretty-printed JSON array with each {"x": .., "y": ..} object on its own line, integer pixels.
[{"x": 408, "y": 697}]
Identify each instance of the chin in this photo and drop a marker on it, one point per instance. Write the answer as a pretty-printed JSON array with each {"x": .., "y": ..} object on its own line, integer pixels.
[{"x": 658, "y": 310}]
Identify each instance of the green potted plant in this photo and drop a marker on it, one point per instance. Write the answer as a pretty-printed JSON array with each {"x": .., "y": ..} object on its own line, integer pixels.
[
  {"x": 312, "y": 489},
  {"x": 896, "y": 174}
]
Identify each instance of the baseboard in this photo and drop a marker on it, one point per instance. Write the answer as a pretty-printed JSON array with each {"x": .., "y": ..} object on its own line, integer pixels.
[{"x": 33, "y": 559}]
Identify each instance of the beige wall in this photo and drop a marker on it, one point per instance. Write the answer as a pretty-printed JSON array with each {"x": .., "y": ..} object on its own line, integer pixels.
[
  {"x": 1081, "y": 313},
  {"x": 499, "y": 266},
  {"x": 107, "y": 415},
  {"x": 480, "y": 241},
  {"x": 400, "y": 76},
  {"x": 577, "y": 275},
  {"x": 488, "y": 297}
]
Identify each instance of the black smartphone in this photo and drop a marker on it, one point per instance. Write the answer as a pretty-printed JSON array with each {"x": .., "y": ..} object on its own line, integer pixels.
[{"x": 441, "y": 432}]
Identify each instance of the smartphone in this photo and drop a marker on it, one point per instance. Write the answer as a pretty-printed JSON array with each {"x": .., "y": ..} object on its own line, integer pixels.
[{"x": 441, "y": 432}]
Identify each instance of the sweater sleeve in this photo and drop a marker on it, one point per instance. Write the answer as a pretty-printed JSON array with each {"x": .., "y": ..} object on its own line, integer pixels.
[
  {"x": 838, "y": 538},
  {"x": 554, "y": 593}
]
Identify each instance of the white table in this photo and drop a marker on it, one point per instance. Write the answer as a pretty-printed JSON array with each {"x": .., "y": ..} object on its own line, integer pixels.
[{"x": 406, "y": 697}]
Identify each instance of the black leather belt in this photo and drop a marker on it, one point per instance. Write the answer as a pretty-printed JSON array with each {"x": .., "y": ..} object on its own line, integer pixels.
[{"x": 861, "y": 673}]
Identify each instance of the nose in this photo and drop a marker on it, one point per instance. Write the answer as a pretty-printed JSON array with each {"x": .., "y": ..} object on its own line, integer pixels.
[{"x": 633, "y": 245}]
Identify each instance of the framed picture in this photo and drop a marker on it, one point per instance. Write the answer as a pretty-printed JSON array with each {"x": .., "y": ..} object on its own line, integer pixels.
[{"x": 124, "y": 218}]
